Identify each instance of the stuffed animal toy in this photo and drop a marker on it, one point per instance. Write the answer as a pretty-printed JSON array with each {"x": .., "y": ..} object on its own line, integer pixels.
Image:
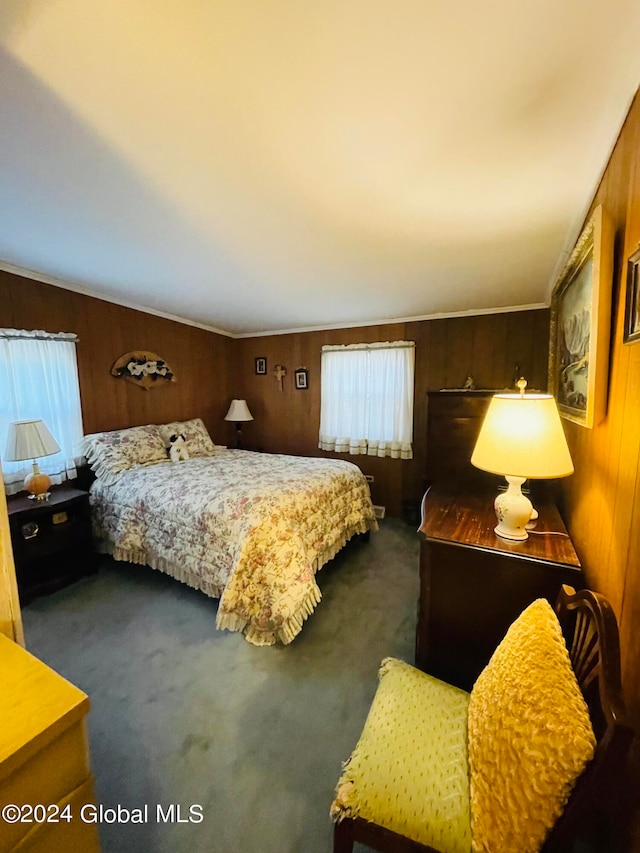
[{"x": 178, "y": 447}]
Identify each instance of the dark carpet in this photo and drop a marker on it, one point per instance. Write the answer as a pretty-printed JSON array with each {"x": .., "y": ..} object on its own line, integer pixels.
[{"x": 183, "y": 714}]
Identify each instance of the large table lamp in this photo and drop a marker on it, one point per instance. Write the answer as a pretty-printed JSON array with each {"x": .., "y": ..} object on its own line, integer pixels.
[
  {"x": 31, "y": 440},
  {"x": 522, "y": 439},
  {"x": 239, "y": 413}
]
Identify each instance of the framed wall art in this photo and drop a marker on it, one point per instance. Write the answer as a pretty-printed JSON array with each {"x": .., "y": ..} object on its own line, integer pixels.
[
  {"x": 144, "y": 369},
  {"x": 580, "y": 325},
  {"x": 632, "y": 308},
  {"x": 261, "y": 365},
  {"x": 302, "y": 379}
]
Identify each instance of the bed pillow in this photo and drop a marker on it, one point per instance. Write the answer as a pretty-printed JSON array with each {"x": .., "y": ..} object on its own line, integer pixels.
[
  {"x": 197, "y": 439},
  {"x": 530, "y": 736},
  {"x": 110, "y": 454}
]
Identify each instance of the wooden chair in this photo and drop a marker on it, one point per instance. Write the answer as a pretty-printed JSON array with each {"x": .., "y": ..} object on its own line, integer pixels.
[{"x": 591, "y": 634}]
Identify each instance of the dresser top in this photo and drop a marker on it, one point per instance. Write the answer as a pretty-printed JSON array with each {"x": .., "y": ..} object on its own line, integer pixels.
[
  {"x": 443, "y": 393},
  {"x": 36, "y": 705},
  {"x": 467, "y": 519}
]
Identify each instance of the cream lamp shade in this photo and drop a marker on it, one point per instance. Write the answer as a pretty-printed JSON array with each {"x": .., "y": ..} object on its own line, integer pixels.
[
  {"x": 31, "y": 440},
  {"x": 521, "y": 438},
  {"x": 238, "y": 412}
]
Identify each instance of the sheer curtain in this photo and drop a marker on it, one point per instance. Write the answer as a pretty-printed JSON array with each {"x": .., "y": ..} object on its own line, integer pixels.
[
  {"x": 367, "y": 399},
  {"x": 39, "y": 379}
]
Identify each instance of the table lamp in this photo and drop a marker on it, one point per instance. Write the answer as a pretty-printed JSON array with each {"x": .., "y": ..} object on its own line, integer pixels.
[
  {"x": 521, "y": 438},
  {"x": 31, "y": 440},
  {"x": 238, "y": 412}
]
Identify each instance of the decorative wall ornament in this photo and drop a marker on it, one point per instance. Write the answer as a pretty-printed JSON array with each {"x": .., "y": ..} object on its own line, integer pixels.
[
  {"x": 279, "y": 371},
  {"x": 145, "y": 369},
  {"x": 260, "y": 365}
]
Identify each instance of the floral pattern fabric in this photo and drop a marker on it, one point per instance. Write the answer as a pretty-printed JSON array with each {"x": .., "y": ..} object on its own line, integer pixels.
[
  {"x": 250, "y": 528},
  {"x": 195, "y": 433},
  {"x": 111, "y": 453}
]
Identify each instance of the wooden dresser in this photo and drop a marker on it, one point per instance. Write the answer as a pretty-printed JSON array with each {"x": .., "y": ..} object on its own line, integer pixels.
[
  {"x": 454, "y": 419},
  {"x": 473, "y": 583},
  {"x": 44, "y": 758}
]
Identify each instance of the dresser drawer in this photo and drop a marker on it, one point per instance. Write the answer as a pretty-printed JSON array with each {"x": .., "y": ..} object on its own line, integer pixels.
[
  {"x": 47, "y": 777},
  {"x": 75, "y": 836}
]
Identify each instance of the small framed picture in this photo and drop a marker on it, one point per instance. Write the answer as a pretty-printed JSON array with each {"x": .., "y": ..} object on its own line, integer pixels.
[
  {"x": 261, "y": 365},
  {"x": 302, "y": 379},
  {"x": 632, "y": 312}
]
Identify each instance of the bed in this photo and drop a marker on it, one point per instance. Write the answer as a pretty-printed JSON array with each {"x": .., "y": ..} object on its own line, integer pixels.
[{"x": 251, "y": 529}]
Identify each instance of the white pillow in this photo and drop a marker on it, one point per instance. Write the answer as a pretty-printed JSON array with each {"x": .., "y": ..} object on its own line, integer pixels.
[{"x": 197, "y": 439}]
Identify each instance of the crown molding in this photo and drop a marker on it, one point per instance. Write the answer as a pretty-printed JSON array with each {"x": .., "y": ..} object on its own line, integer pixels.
[
  {"x": 86, "y": 290},
  {"x": 445, "y": 315}
]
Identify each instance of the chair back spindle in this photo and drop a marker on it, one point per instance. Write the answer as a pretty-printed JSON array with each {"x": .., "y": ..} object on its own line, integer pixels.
[{"x": 591, "y": 633}]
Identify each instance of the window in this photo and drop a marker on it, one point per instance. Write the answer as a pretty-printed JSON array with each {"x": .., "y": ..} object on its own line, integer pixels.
[
  {"x": 39, "y": 379},
  {"x": 367, "y": 399}
]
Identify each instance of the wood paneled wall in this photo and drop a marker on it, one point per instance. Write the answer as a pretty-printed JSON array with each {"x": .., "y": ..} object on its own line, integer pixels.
[
  {"x": 492, "y": 348},
  {"x": 602, "y": 499},
  {"x": 201, "y": 360}
]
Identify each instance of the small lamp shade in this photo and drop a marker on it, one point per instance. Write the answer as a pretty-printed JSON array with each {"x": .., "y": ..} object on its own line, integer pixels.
[
  {"x": 31, "y": 440},
  {"x": 238, "y": 411},
  {"x": 522, "y": 438}
]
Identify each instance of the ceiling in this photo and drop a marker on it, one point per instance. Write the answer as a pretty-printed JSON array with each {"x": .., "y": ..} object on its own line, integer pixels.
[{"x": 266, "y": 165}]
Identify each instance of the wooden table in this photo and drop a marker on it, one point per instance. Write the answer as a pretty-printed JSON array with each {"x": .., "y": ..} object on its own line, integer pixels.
[{"x": 473, "y": 583}]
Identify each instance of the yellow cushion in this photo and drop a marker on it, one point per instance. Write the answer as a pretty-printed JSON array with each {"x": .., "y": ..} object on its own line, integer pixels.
[
  {"x": 529, "y": 736},
  {"x": 409, "y": 771}
]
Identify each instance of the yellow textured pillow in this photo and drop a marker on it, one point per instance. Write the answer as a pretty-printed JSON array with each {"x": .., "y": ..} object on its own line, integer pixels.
[{"x": 530, "y": 736}]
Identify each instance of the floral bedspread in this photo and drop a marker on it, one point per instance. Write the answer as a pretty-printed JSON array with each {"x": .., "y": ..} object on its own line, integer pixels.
[{"x": 249, "y": 528}]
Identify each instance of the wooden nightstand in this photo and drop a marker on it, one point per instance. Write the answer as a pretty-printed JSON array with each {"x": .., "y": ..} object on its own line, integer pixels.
[
  {"x": 474, "y": 584},
  {"x": 52, "y": 542}
]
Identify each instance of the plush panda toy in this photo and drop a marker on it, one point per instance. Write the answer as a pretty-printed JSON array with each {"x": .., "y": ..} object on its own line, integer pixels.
[{"x": 178, "y": 447}]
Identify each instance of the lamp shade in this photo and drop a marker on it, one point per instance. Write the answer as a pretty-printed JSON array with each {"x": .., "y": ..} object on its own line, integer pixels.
[
  {"x": 29, "y": 440},
  {"x": 238, "y": 411},
  {"x": 522, "y": 436}
]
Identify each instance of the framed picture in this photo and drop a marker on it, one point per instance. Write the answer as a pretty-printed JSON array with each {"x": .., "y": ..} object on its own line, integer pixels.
[
  {"x": 302, "y": 379},
  {"x": 261, "y": 365},
  {"x": 580, "y": 319},
  {"x": 632, "y": 310}
]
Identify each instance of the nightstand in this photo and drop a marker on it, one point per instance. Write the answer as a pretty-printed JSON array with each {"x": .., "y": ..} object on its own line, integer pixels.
[
  {"x": 52, "y": 542},
  {"x": 474, "y": 584}
]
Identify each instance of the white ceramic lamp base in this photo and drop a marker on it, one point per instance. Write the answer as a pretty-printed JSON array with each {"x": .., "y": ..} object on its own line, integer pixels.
[{"x": 513, "y": 510}]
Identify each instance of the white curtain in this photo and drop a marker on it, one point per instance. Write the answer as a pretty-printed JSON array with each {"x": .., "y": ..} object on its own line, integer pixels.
[
  {"x": 39, "y": 379},
  {"x": 367, "y": 399}
]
